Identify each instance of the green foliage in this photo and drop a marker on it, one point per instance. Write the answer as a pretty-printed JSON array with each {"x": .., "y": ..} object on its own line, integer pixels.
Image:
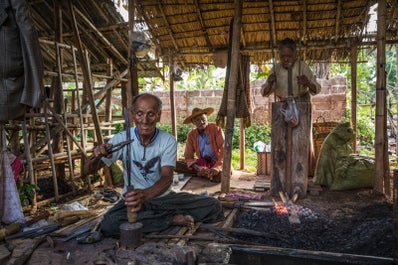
[
  {"x": 250, "y": 159},
  {"x": 118, "y": 128},
  {"x": 256, "y": 132},
  {"x": 182, "y": 131},
  {"x": 26, "y": 193}
]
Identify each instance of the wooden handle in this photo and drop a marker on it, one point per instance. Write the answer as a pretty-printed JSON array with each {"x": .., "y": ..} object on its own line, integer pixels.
[{"x": 132, "y": 217}]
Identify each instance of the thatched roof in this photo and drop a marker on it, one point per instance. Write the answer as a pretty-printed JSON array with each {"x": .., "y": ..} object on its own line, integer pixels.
[
  {"x": 103, "y": 32},
  {"x": 196, "y": 32}
]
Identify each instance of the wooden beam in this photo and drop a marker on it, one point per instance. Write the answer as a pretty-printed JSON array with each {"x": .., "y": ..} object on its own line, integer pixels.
[
  {"x": 381, "y": 150},
  {"x": 353, "y": 61},
  {"x": 304, "y": 33},
  {"x": 202, "y": 25},
  {"x": 170, "y": 32},
  {"x": 272, "y": 16},
  {"x": 231, "y": 101},
  {"x": 86, "y": 73},
  {"x": 337, "y": 22},
  {"x": 104, "y": 40}
]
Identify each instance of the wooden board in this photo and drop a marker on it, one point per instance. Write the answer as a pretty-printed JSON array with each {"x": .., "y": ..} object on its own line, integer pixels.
[{"x": 300, "y": 150}]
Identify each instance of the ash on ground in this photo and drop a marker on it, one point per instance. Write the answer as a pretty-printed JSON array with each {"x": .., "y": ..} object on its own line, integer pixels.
[{"x": 353, "y": 222}]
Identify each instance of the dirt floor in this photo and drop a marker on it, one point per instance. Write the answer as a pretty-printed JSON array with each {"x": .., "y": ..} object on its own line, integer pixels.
[{"x": 355, "y": 222}]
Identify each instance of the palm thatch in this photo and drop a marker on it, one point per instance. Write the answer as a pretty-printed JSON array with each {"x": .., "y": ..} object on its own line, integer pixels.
[{"x": 195, "y": 32}]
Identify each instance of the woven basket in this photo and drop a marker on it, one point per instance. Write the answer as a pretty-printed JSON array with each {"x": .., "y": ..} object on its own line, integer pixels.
[
  {"x": 324, "y": 126},
  {"x": 320, "y": 131}
]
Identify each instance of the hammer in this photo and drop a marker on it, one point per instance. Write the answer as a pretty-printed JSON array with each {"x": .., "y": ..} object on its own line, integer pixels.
[{"x": 131, "y": 231}]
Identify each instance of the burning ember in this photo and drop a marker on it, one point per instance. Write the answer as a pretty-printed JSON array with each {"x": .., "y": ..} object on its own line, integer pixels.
[{"x": 280, "y": 208}]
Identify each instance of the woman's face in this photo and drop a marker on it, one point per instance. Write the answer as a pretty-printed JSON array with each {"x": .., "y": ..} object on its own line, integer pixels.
[{"x": 287, "y": 57}]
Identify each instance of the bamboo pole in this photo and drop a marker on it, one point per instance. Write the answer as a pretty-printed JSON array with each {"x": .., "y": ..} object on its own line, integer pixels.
[
  {"x": 231, "y": 105},
  {"x": 2, "y": 171},
  {"x": 68, "y": 151},
  {"x": 242, "y": 145},
  {"x": 108, "y": 99},
  {"x": 51, "y": 155},
  {"x": 381, "y": 150},
  {"x": 396, "y": 93},
  {"x": 395, "y": 217},
  {"x": 86, "y": 74},
  {"x": 28, "y": 157},
  {"x": 353, "y": 59},
  {"x": 65, "y": 128},
  {"x": 79, "y": 111},
  {"x": 172, "y": 96}
]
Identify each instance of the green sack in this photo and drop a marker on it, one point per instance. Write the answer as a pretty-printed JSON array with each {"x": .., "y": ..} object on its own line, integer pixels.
[
  {"x": 117, "y": 173},
  {"x": 354, "y": 172},
  {"x": 336, "y": 145}
]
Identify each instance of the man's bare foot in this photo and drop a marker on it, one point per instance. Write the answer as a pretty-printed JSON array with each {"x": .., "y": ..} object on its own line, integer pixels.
[{"x": 183, "y": 220}]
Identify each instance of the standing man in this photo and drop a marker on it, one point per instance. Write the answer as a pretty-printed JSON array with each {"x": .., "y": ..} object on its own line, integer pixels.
[
  {"x": 153, "y": 159},
  {"x": 296, "y": 74},
  {"x": 304, "y": 82},
  {"x": 205, "y": 145}
]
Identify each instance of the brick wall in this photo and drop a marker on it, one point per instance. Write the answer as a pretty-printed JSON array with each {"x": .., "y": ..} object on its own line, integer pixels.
[{"x": 330, "y": 103}]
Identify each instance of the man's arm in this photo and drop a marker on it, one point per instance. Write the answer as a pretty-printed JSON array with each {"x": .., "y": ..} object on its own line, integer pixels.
[
  {"x": 135, "y": 198},
  {"x": 94, "y": 162},
  {"x": 266, "y": 88}
]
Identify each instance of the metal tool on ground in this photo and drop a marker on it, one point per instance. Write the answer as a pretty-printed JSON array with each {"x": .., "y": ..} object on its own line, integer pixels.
[
  {"x": 249, "y": 205},
  {"x": 13, "y": 228},
  {"x": 78, "y": 233},
  {"x": 131, "y": 231},
  {"x": 34, "y": 232}
]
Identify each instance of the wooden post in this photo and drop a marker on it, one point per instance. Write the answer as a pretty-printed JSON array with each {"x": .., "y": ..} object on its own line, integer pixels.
[
  {"x": 29, "y": 161},
  {"x": 108, "y": 99},
  {"x": 353, "y": 61},
  {"x": 2, "y": 175},
  {"x": 50, "y": 154},
  {"x": 232, "y": 85},
  {"x": 381, "y": 150},
  {"x": 242, "y": 144},
  {"x": 172, "y": 96},
  {"x": 396, "y": 94},
  {"x": 395, "y": 217},
  {"x": 58, "y": 96},
  {"x": 79, "y": 109},
  {"x": 132, "y": 86}
]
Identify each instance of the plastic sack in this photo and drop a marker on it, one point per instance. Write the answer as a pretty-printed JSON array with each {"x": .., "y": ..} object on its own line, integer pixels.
[
  {"x": 291, "y": 114},
  {"x": 11, "y": 208},
  {"x": 259, "y": 146}
]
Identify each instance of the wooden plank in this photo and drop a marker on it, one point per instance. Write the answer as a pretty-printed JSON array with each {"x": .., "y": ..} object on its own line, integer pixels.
[
  {"x": 299, "y": 150},
  {"x": 229, "y": 221},
  {"x": 262, "y": 183},
  {"x": 190, "y": 232}
]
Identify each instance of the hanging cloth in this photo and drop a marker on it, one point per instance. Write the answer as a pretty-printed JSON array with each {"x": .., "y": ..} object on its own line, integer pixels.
[
  {"x": 242, "y": 101},
  {"x": 21, "y": 62}
]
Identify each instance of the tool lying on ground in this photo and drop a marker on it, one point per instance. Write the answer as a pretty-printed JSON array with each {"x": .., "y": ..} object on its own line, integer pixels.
[
  {"x": 34, "y": 232},
  {"x": 16, "y": 227},
  {"x": 131, "y": 231},
  {"x": 79, "y": 232},
  {"x": 250, "y": 205},
  {"x": 90, "y": 237}
]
